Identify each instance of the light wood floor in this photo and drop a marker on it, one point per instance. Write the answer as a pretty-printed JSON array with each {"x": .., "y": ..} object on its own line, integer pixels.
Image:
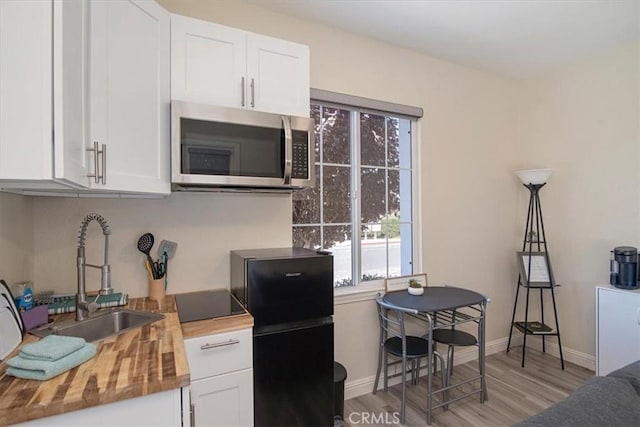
[{"x": 515, "y": 393}]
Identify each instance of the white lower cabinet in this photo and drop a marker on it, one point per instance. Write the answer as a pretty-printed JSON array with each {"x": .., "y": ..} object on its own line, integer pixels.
[
  {"x": 221, "y": 368},
  {"x": 220, "y": 400},
  {"x": 156, "y": 409},
  {"x": 618, "y": 328}
]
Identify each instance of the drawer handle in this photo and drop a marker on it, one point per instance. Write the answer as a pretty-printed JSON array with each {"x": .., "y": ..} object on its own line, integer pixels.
[{"x": 219, "y": 344}]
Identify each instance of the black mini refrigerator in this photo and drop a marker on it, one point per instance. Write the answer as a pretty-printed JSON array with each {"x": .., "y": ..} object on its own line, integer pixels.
[{"x": 289, "y": 293}]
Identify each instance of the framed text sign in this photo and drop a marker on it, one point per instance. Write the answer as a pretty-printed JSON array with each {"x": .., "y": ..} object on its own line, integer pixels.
[
  {"x": 535, "y": 269},
  {"x": 402, "y": 282}
]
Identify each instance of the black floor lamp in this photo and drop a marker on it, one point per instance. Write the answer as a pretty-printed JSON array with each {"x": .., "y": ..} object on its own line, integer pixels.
[{"x": 534, "y": 265}]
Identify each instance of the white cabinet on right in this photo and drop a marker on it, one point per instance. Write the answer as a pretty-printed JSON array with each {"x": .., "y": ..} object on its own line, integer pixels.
[
  {"x": 218, "y": 65},
  {"x": 617, "y": 327}
]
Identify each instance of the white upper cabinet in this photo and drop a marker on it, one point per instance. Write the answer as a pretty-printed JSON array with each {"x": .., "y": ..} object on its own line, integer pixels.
[
  {"x": 278, "y": 73},
  {"x": 129, "y": 96},
  {"x": 208, "y": 63},
  {"x": 42, "y": 95},
  {"x": 218, "y": 65},
  {"x": 74, "y": 73}
]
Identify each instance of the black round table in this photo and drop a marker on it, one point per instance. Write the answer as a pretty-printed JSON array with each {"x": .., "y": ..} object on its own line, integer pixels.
[
  {"x": 446, "y": 299},
  {"x": 435, "y": 298}
]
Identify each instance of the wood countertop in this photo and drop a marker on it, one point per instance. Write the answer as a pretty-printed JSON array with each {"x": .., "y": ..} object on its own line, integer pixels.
[{"x": 142, "y": 361}]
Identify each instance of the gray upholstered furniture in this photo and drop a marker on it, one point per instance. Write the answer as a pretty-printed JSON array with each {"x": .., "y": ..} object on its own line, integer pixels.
[{"x": 609, "y": 401}]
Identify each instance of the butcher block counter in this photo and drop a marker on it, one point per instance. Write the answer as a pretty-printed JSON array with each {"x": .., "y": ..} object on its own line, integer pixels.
[{"x": 136, "y": 363}]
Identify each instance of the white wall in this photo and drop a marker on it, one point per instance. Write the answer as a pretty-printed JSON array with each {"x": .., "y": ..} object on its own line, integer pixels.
[
  {"x": 583, "y": 122},
  {"x": 16, "y": 238}
]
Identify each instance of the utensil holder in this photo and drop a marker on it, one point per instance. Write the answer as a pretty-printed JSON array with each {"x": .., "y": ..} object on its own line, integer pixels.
[{"x": 156, "y": 289}]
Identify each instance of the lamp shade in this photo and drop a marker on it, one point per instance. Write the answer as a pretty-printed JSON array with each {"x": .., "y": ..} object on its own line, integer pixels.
[{"x": 534, "y": 176}]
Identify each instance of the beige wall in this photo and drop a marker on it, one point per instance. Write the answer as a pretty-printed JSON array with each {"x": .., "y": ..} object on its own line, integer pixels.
[
  {"x": 583, "y": 122},
  {"x": 468, "y": 193},
  {"x": 16, "y": 238},
  {"x": 205, "y": 226}
]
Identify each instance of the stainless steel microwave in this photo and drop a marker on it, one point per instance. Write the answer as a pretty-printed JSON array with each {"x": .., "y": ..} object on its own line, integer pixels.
[{"x": 219, "y": 147}]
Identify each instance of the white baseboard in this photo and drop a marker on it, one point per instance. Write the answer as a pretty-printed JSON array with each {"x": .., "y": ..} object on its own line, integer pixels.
[
  {"x": 361, "y": 386},
  {"x": 551, "y": 346}
]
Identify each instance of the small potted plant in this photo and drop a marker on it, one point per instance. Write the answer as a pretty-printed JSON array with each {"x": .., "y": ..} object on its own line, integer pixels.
[{"x": 415, "y": 288}]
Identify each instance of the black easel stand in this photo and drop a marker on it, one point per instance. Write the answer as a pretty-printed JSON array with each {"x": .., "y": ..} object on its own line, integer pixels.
[{"x": 535, "y": 237}]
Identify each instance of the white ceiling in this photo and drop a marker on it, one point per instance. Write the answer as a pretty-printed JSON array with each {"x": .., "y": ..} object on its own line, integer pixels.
[{"x": 513, "y": 38}]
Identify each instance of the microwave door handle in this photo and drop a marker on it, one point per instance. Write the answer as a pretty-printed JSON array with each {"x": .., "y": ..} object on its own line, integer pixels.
[{"x": 288, "y": 150}]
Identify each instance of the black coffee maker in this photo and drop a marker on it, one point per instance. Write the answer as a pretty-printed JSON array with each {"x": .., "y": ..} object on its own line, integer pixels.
[{"x": 624, "y": 270}]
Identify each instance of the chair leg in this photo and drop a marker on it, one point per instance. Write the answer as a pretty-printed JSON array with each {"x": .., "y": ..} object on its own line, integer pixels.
[
  {"x": 449, "y": 374},
  {"x": 443, "y": 373},
  {"x": 375, "y": 384},
  {"x": 417, "y": 371},
  {"x": 386, "y": 370},
  {"x": 451, "y": 350},
  {"x": 404, "y": 390},
  {"x": 480, "y": 370}
]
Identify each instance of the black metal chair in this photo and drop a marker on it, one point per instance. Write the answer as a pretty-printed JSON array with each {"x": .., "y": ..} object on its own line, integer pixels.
[
  {"x": 452, "y": 338},
  {"x": 395, "y": 341}
]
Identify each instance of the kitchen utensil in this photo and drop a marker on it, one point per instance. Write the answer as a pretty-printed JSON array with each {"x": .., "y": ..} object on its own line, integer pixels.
[
  {"x": 10, "y": 333},
  {"x": 168, "y": 247},
  {"x": 6, "y": 299},
  {"x": 148, "y": 266},
  {"x": 166, "y": 250},
  {"x": 145, "y": 243},
  {"x": 159, "y": 268}
]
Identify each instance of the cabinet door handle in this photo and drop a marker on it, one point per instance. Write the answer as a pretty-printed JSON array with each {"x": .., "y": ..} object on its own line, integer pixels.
[
  {"x": 638, "y": 315},
  {"x": 96, "y": 173},
  {"x": 104, "y": 164},
  {"x": 192, "y": 415},
  {"x": 207, "y": 346},
  {"x": 253, "y": 93},
  {"x": 243, "y": 92}
]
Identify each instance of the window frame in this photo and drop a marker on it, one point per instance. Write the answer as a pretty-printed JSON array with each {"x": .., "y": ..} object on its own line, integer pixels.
[{"x": 363, "y": 290}]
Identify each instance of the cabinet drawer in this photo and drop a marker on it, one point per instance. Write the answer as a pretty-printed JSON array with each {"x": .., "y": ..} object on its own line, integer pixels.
[{"x": 220, "y": 353}]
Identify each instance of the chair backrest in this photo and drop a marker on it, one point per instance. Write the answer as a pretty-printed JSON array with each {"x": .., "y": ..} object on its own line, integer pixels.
[{"x": 392, "y": 321}]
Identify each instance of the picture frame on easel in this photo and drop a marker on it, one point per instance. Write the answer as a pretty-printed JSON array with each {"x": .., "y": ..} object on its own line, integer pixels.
[{"x": 541, "y": 273}]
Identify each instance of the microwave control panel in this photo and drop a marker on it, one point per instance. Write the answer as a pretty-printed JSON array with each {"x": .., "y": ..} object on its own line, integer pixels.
[{"x": 300, "y": 166}]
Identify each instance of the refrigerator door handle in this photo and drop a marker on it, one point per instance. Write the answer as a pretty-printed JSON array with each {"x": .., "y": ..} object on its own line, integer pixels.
[{"x": 207, "y": 346}]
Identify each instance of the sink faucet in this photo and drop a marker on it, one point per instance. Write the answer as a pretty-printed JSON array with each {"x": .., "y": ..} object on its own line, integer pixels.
[{"x": 84, "y": 307}]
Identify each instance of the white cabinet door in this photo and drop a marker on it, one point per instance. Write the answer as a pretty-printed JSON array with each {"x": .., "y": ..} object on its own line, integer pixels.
[
  {"x": 129, "y": 94},
  {"x": 25, "y": 90},
  {"x": 218, "y": 65},
  {"x": 618, "y": 320},
  {"x": 278, "y": 75},
  {"x": 224, "y": 400},
  {"x": 69, "y": 90},
  {"x": 33, "y": 46},
  {"x": 208, "y": 62}
]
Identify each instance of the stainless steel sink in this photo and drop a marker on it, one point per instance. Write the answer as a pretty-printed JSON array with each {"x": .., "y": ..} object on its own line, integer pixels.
[{"x": 101, "y": 325}]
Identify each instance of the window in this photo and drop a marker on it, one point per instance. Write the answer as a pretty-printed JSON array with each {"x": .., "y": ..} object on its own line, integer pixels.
[{"x": 361, "y": 207}]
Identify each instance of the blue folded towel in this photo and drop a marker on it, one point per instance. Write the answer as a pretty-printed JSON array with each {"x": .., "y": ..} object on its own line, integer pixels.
[
  {"x": 43, "y": 370},
  {"x": 52, "y": 348}
]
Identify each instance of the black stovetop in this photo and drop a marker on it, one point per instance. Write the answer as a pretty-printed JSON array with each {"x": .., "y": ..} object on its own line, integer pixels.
[{"x": 207, "y": 305}]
